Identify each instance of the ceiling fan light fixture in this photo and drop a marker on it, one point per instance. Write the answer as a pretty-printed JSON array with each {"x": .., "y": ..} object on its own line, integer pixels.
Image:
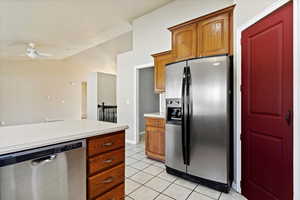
[{"x": 33, "y": 53}]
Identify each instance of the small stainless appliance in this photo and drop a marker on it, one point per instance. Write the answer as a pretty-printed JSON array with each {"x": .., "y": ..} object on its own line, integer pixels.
[
  {"x": 199, "y": 121},
  {"x": 54, "y": 172}
]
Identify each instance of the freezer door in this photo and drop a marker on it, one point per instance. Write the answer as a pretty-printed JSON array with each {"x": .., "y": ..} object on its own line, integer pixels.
[
  {"x": 174, "y": 151},
  {"x": 174, "y": 76},
  {"x": 209, "y": 120}
]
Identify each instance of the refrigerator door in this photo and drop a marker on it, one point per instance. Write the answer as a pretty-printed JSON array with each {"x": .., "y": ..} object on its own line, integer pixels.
[
  {"x": 174, "y": 76},
  {"x": 174, "y": 142},
  {"x": 209, "y": 120}
]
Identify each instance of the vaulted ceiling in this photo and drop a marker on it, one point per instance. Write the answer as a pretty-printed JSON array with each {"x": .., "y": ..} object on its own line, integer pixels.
[{"x": 66, "y": 27}]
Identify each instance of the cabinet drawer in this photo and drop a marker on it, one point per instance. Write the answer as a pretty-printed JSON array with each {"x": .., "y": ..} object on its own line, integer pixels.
[
  {"x": 117, "y": 193},
  {"x": 155, "y": 122},
  {"x": 105, "y": 161},
  {"x": 104, "y": 181},
  {"x": 103, "y": 144}
]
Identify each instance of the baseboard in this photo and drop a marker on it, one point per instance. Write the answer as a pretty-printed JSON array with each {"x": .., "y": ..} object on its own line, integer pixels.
[
  {"x": 130, "y": 141},
  {"x": 235, "y": 187},
  {"x": 142, "y": 133}
]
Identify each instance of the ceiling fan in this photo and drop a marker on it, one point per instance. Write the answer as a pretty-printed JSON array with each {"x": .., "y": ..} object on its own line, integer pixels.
[{"x": 33, "y": 53}]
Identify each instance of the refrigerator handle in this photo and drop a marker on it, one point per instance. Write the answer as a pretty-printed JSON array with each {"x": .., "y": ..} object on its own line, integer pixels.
[
  {"x": 183, "y": 117},
  {"x": 188, "y": 114}
]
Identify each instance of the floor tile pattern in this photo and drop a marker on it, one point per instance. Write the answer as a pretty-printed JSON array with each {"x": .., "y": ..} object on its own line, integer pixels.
[{"x": 147, "y": 179}]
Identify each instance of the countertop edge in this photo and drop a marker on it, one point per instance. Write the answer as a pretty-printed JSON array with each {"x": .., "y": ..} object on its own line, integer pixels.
[
  {"x": 155, "y": 115},
  {"x": 84, "y": 135}
]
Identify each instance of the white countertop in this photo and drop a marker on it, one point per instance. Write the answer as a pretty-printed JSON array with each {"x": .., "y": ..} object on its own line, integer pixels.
[
  {"x": 157, "y": 115},
  {"x": 23, "y": 137}
]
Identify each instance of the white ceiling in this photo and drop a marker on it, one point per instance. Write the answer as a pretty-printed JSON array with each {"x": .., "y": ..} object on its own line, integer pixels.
[{"x": 66, "y": 27}]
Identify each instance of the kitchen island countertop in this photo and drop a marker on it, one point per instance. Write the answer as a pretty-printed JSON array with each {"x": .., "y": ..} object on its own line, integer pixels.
[{"x": 29, "y": 136}]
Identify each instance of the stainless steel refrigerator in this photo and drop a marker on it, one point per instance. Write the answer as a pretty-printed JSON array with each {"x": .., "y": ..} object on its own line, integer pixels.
[{"x": 199, "y": 121}]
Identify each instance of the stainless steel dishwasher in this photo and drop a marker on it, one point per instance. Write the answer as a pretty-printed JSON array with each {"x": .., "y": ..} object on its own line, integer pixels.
[{"x": 56, "y": 172}]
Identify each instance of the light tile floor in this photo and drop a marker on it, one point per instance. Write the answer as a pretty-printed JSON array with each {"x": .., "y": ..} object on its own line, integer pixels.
[{"x": 147, "y": 179}]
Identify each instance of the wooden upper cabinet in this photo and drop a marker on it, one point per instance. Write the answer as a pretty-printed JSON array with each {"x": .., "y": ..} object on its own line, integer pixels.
[
  {"x": 184, "y": 42},
  {"x": 207, "y": 35},
  {"x": 160, "y": 61},
  {"x": 214, "y": 35}
]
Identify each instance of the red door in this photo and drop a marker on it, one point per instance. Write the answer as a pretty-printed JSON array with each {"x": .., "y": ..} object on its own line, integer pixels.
[{"x": 267, "y": 103}]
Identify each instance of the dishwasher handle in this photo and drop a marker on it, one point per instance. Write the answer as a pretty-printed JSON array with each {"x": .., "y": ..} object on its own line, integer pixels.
[
  {"x": 43, "y": 160},
  {"x": 41, "y": 154}
]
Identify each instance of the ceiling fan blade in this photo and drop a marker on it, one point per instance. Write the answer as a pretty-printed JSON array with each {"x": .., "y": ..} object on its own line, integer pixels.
[{"x": 44, "y": 54}]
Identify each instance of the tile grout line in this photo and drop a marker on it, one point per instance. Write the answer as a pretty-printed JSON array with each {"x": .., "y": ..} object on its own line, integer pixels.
[
  {"x": 191, "y": 192},
  {"x": 220, "y": 195},
  {"x": 142, "y": 184},
  {"x": 170, "y": 183},
  {"x": 159, "y": 193},
  {"x": 212, "y": 198}
]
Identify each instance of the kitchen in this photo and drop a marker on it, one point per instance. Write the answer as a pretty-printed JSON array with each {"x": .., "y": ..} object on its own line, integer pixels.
[{"x": 160, "y": 40}]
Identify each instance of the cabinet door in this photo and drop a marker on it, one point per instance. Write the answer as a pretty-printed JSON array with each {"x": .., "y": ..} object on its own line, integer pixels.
[
  {"x": 184, "y": 42},
  {"x": 155, "y": 143},
  {"x": 160, "y": 61},
  {"x": 214, "y": 36}
]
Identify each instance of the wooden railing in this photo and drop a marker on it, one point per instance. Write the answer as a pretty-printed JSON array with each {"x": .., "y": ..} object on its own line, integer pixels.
[{"x": 107, "y": 113}]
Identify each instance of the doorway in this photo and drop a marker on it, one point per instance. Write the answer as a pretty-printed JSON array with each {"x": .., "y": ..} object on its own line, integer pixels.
[
  {"x": 146, "y": 100},
  {"x": 267, "y": 107}
]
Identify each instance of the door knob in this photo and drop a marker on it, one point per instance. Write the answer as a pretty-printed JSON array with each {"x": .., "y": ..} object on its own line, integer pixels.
[{"x": 288, "y": 117}]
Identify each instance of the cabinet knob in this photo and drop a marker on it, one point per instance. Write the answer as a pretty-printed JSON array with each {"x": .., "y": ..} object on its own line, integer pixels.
[
  {"x": 107, "y": 144},
  {"x": 108, "y": 180},
  {"x": 108, "y": 160}
]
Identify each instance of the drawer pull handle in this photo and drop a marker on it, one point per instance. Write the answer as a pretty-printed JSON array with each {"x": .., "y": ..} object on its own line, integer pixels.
[
  {"x": 112, "y": 198},
  {"x": 108, "y": 180},
  {"x": 107, "y": 144},
  {"x": 108, "y": 160}
]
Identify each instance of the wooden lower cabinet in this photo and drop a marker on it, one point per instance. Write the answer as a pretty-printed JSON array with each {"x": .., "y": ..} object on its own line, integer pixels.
[
  {"x": 105, "y": 143},
  {"x": 106, "y": 167},
  {"x": 105, "y": 161},
  {"x": 155, "y": 138},
  {"x": 115, "y": 194}
]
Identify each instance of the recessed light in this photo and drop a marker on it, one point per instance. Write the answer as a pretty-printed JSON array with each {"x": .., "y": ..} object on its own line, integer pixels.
[{"x": 216, "y": 64}]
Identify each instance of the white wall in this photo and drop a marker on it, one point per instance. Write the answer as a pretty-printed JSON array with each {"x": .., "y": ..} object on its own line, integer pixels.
[
  {"x": 102, "y": 58},
  {"x": 246, "y": 10},
  {"x": 33, "y": 91},
  {"x": 36, "y": 90},
  {"x": 125, "y": 88}
]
